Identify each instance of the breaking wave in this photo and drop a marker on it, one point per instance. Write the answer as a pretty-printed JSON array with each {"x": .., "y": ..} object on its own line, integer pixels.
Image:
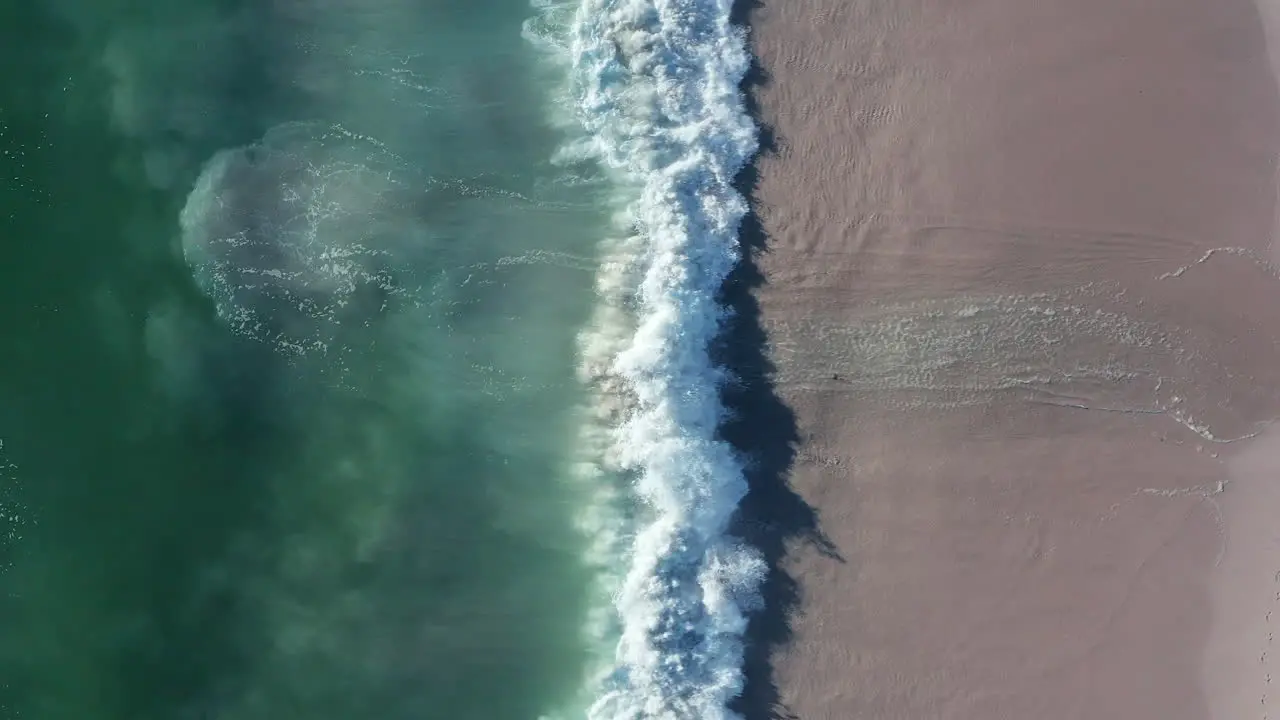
[{"x": 655, "y": 85}]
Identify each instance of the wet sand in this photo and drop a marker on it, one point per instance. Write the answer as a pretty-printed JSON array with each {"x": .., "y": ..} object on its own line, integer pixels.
[
  {"x": 1021, "y": 297},
  {"x": 1239, "y": 662}
]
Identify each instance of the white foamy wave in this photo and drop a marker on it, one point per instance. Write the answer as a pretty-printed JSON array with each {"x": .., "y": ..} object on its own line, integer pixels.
[{"x": 656, "y": 86}]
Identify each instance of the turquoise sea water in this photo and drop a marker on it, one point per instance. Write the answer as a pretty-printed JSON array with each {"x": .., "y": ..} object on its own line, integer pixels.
[
  {"x": 289, "y": 294},
  {"x": 355, "y": 360}
]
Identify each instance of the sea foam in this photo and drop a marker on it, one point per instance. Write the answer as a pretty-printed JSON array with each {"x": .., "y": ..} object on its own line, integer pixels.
[{"x": 655, "y": 85}]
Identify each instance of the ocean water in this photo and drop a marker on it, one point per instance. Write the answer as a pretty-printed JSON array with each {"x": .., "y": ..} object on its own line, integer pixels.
[{"x": 355, "y": 359}]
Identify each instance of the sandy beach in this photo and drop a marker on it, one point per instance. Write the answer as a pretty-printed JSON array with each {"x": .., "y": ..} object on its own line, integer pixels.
[{"x": 1020, "y": 290}]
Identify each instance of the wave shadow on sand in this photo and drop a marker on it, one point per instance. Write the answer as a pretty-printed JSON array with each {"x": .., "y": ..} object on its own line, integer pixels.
[{"x": 773, "y": 517}]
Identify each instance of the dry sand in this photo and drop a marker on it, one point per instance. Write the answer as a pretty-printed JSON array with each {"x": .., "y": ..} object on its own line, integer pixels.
[{"x": 1021, "y": 299}]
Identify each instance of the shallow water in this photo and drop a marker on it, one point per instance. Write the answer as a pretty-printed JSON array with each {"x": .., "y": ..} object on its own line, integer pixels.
[{"x": 305, "y": 450}]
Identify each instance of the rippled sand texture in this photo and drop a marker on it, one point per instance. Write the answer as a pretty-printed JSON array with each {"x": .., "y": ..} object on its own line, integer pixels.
[{"x": 1023, "y": 298}]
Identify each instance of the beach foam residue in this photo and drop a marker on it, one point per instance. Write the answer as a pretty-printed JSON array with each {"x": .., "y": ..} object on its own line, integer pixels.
[{"x": 655, "y": 85}]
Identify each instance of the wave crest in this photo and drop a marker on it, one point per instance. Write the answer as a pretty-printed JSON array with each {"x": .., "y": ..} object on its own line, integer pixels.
[{"x": 656, "y": 85}]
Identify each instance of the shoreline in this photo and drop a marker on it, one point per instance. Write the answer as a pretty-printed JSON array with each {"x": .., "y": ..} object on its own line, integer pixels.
[{"x": 1018, "y": 304}]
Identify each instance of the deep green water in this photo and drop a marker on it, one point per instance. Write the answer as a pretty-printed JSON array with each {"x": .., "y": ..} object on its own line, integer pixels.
[{"x": 196, "y": 522}]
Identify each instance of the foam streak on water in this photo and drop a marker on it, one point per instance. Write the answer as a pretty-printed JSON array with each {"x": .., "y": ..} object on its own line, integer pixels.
[{"x": 656, "y": 82}]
